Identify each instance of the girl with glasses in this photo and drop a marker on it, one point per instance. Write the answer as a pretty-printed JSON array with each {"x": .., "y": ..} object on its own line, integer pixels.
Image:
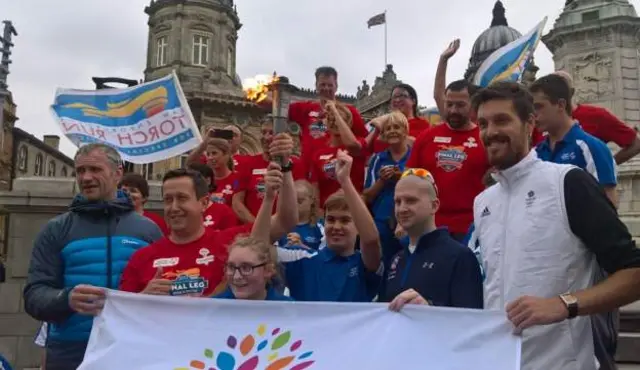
[{"x": 249, "y": 269}]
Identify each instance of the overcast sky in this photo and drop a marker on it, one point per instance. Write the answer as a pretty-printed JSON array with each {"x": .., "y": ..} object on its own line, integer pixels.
[{"x": 65, "y": 45}]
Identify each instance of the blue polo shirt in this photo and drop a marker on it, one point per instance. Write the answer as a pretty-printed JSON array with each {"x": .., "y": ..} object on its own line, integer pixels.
[
  {"x": 383, "y": 205},
  {"x": 441, "y": 269},
  {"x": 327, "y": 277},
  {"x": 272, "y": 295},
  {"x": 582, "y": 150},
  {"x": 310, "y": 235}
]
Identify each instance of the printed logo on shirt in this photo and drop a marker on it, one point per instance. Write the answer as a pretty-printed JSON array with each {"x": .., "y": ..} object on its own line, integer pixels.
[
  {"x": 206, "y": 257},
  {"x": 442, "y": 140},
  {"x": 329, "y": 169},
  {"x": 471, "y": 143},
  {"x": 259, "y": 172},
  {"x": 567, "y": 157},
  {"x": 217, "y": 198},
  {"x": 485, "y": 212},
  {"x": 311, "y": 239},
  {"x": 187, "y": 282},
  {"x": 451, "y": 158},
  {"x": 317, "y": 129},
  {"x": 227, "y": 190},
  {"x": 208, "y": 221},
  {"x": 393, "y": 268},
  {"x": 427, "y": 265},
  {"x": 314, "y": 114},
  {"x": 531, "y": 197},
  {"x": 261, "y": 187},
  {"x": 353, "y": 272},
  {"x": 166, "y": 262}
]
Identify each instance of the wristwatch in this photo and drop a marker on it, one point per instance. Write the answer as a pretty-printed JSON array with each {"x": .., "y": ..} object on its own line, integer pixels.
[
  {"x": 571, "y": 302},
  {"x": 287, "y": 167}
]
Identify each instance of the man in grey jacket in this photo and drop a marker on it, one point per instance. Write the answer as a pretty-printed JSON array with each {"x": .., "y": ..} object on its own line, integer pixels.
[{"x": 81, "y": 252}]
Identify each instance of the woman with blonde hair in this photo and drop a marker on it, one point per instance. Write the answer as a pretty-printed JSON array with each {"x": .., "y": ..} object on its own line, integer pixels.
[
  {"x": 309, "y": 233},
  {"x": 384, "y": 170},
  {"x": 249, "y": 270}
]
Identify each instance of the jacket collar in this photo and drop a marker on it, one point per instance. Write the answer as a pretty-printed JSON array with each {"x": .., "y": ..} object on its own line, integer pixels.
[
  {"x": 429, "y": 238},
  {"x": 514, "y": 173}
]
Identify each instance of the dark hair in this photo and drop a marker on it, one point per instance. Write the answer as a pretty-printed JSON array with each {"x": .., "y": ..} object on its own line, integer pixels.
[
  {"x": 512, "y": 91},
  {"x": 326, "y": 71},
  {"x": 460, "y": 85},
  {"x": 412, "y": 93},
  {"x": 199, "y": 184},
  {"x": 206, "y": 172},
  {"x": 134, "y": 180},
  {"x": 556, "y": 88}
]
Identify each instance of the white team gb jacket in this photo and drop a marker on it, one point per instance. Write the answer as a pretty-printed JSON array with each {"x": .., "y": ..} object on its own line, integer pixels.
[{"x": 527, "y": 248}]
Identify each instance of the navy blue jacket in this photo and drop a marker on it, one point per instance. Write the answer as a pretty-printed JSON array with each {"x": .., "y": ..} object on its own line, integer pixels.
[
  {"x": 442, "y": 270},
  {"x": 89, "y": 244}
]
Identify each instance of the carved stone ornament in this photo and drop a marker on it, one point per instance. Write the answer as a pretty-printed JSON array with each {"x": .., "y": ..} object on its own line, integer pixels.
[{"x": 593, "y": 77}]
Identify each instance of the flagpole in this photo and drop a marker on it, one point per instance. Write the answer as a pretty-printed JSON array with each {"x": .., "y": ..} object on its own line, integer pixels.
[{"x": 385, "y": 40}]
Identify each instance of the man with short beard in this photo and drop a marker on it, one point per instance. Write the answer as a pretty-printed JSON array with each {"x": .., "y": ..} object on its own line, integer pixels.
[
  {"x": 544, "y": 232},
  {"x": 453, "y": 153},
  {"x": 81, "y": 252}
]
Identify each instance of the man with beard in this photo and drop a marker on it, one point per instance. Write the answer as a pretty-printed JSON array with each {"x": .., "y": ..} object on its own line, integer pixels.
[
  {"x": 81, "y": 252},
  {"x": 310, "y": 114},
  {"x": 452, "y": 152},
  {"x": 247, "y": 199},
  {"x": 544, "y": 231},
  {"x": 433, "y": 265}
]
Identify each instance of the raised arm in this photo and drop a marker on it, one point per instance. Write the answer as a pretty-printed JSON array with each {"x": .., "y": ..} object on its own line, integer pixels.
[
  {"x": 240, "y": 209},
  {"x": 369, "y": 237},
  {"x": 347, "y": 136},
  {"x": 440, "y": 84},
  {"x": 194, "y": 156},
  {"x": 286, "y": 217}
]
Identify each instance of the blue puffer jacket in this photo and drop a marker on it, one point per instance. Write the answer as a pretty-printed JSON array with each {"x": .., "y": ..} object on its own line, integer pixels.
[{"x": 90, "y": 244}]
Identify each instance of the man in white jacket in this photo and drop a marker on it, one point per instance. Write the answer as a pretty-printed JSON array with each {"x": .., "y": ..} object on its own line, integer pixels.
[{"x": 543, "y": 229}]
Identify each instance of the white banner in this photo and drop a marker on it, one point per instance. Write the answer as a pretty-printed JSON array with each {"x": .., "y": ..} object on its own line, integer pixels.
[
  {"x": 170, "y": 333},
  {"x": 145, "y": 123}
]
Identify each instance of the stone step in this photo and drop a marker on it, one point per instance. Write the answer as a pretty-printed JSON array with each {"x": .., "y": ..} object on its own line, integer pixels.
[{"x": 629, "y": 338}]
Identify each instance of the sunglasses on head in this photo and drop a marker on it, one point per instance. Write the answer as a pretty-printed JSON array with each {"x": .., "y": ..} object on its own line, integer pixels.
[{"x": 421, "y": 173}]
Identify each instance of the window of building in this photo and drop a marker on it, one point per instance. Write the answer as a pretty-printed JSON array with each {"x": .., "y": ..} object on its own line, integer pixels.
[
  {"x": 63, "y": 172},
  {"x": 38, "y": 169},
  {"x": 162, "y": 51},
  {"x": 200, "y": 50},
  {"x": 590, "y": 16},
  {"x": 183, "y": 161},
  {"x": 147, "y": 171},
  {"x": 230, "y": 62},
  {"x": 51, "y": 169},
  {"x": 22, "y": 158}
]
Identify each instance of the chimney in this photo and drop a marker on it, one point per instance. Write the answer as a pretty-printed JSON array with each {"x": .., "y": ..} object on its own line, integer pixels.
[{"x": 52, "y": 141}]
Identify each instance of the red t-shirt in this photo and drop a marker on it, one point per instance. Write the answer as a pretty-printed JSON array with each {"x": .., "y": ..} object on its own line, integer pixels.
[
  {"x": 219, "y": 217},
  {"x": 252, "y": 180},
  {"x": 323, "y": 169},
  {"x": 225, "y": 188},
  {"x": 313, "y": 134},
  {"x": 417, "y": 125},
  {"x": 158, "y": 220},
  {"x": 196, "y": 267},
  {"x": 600, "y": 123},
  {"x": 458, "y": 163}
]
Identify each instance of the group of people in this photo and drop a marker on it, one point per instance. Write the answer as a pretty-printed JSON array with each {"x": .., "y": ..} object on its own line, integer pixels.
[{"x": 509, "y": 204}]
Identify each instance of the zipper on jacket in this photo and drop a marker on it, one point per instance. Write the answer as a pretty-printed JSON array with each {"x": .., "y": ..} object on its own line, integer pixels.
[
  {"x": 109, "y": 254},
  {"x": 407, "y": 267},
  {"x": 503, "y": 250}
]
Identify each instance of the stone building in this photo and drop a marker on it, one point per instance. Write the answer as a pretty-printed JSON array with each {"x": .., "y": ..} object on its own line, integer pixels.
[
  {"x": 6, "y": 142},
  {"x": 35, "y": 157},
  {"x": 197, "y": 39},
  {"x": 376, "y": 102}
]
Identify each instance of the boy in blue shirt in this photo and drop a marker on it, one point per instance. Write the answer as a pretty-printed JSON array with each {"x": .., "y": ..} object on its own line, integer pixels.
[
  {"x": 567, "y": 142},
  {"x": 338, "y": 273}
]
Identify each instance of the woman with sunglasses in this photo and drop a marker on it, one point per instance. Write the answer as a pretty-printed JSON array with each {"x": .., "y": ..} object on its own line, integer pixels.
[{"x": 249, "y": 270}]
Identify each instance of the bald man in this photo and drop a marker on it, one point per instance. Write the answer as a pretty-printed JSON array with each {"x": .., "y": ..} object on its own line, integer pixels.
[
  {"x": 432, "y": 267},
  {"x": 600, "y": 123}
]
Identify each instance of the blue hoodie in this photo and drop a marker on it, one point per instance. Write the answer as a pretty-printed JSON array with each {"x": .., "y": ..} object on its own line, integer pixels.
[{"x": 89, "y": 244}]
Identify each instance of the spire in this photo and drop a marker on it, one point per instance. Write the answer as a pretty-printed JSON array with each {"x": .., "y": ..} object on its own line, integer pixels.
[{"x": 499, "y": 18}]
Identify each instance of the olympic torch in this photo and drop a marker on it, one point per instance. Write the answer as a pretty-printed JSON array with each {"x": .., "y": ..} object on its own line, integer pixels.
[{"x": 258, "y": 90}]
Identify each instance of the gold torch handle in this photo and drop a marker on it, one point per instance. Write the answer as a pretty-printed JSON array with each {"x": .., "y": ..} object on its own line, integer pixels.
[{"x": 280, "y": 121}]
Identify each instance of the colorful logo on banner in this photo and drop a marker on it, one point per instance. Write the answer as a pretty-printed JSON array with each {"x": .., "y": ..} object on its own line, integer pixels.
[{"x": 276, "y": 351}]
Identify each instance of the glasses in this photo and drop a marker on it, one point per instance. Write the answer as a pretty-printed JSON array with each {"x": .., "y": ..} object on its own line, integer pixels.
[
  {"x": 421, "y": 173},
  {"x": 244, "y": 270}
]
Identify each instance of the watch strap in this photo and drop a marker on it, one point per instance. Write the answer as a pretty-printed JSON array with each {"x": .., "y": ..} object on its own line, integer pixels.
[
  {"x": 571, "y": 303},
  {"x": 287, "y": 167}
]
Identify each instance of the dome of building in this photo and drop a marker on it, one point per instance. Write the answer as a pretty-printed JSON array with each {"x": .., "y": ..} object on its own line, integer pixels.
[{"x": 496, "y": 36}]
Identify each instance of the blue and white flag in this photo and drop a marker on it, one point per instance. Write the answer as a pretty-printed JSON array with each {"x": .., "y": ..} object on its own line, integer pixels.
[
  {"x": 145, "y": 123},
  {"x": 510, "y": 61}
]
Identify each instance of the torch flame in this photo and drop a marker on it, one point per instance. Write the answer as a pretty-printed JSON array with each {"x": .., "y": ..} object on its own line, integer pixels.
[{"x": 257, "y": 88}]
